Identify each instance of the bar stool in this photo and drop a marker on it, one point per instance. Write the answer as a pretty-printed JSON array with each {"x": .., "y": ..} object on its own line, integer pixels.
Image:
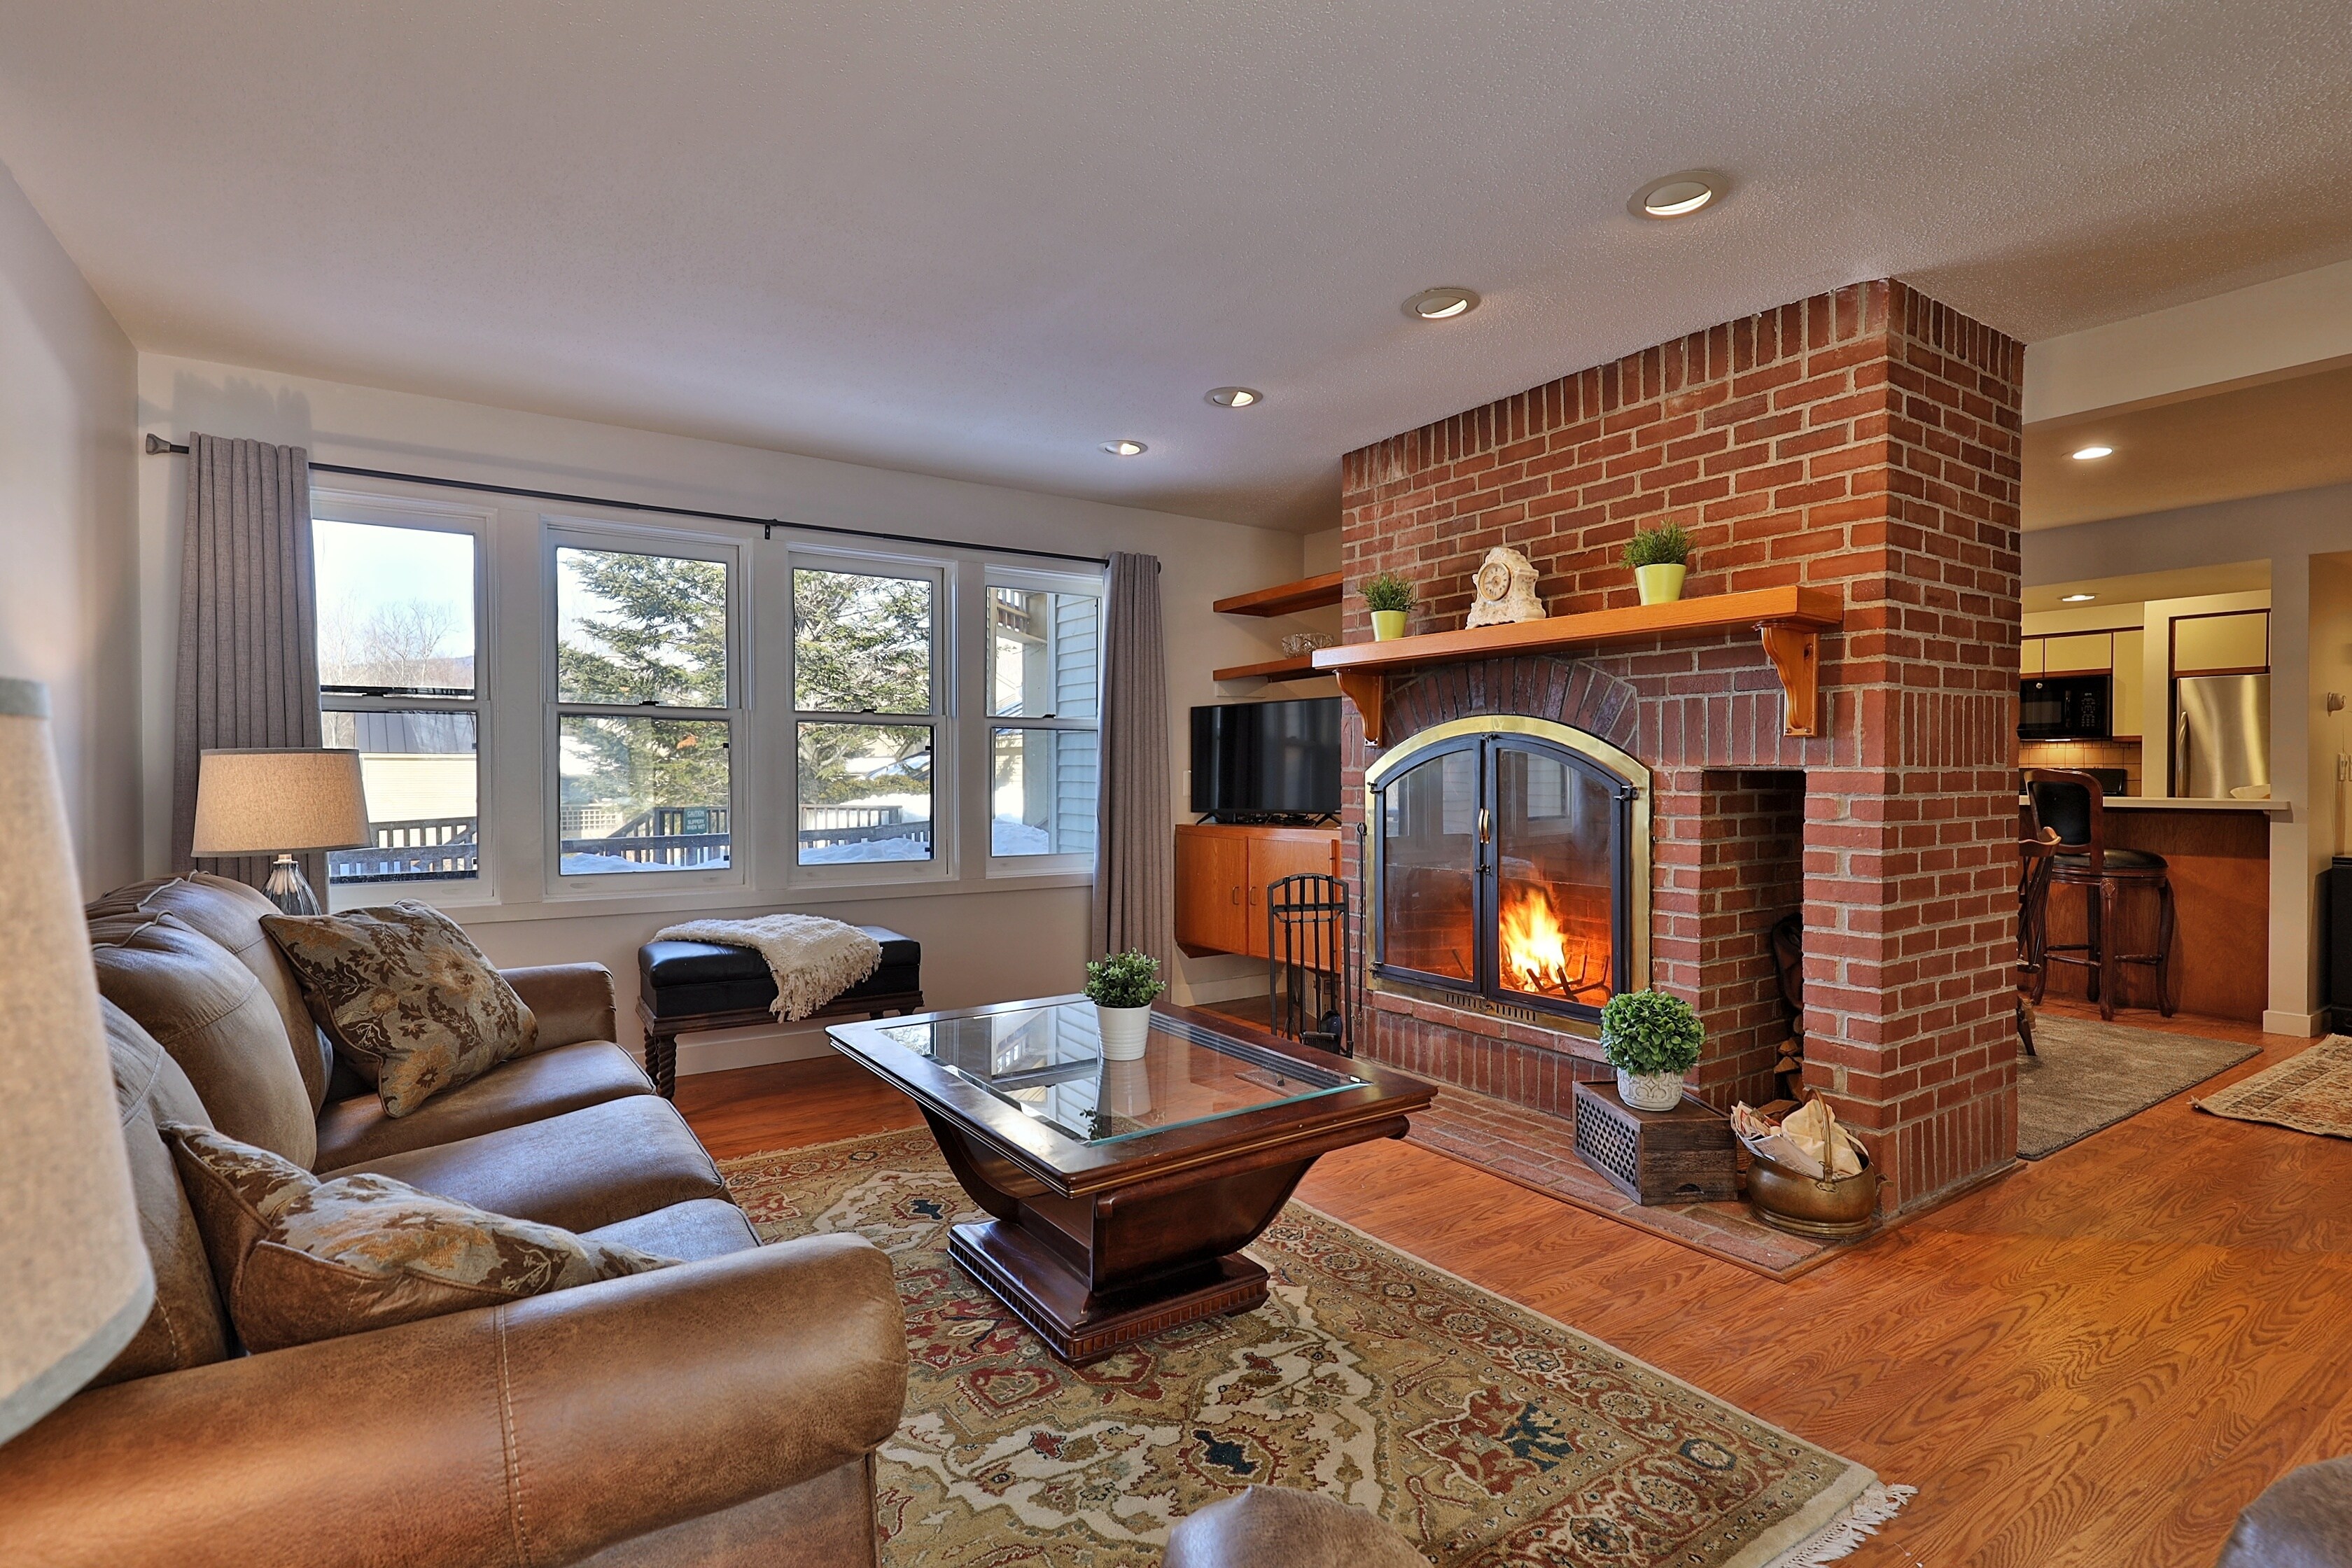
[{"x": 2072, "y": 803}]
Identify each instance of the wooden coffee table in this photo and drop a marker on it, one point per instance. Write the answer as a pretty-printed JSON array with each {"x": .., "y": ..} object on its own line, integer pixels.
[{"x": 1122, "y": 1193}]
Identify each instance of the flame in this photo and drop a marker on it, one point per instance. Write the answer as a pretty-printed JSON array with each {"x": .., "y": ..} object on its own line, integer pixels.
[{"x": 1535, "y": 946}]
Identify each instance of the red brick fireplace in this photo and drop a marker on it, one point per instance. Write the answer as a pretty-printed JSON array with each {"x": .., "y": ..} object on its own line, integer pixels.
[{"x": 1864, "y": 441}]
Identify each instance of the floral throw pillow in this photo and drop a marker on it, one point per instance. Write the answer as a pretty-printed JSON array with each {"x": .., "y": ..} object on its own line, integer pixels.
[
  {"x": 405, "y": 995},
  {"x": 302, "y": 1259}
]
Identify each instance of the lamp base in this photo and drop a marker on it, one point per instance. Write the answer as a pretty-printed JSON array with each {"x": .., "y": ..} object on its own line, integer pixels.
[{"x": 290, "y": 890}]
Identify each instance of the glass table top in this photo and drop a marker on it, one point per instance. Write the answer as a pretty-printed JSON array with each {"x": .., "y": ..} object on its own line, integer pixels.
[{"x": 1045, "y": 1060}]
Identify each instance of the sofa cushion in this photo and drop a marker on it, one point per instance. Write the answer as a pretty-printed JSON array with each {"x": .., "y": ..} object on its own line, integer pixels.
[
  {"x": 677, "y": 979},
  {"x": 186, "y": 1327},
  {"x": 689, "y": 1232},
  {"x": 306, "y": 1259},
  {"x": 231, "y": 914},
  {"x": 525, "y": 1088},
  {"x": 209, "y": 1011},
  {"x": 586, "y": 1168},
  {"x": 406, "y": 996}
]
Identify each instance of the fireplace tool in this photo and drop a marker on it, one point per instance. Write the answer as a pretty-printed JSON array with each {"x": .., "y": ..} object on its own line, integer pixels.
[{"x": 1308, "y": 968}]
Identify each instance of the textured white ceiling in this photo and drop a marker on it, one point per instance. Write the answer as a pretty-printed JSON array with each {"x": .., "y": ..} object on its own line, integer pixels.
[{"x": 978, "y": 239}]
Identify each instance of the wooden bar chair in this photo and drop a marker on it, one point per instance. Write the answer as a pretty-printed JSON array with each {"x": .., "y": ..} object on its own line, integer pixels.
[
  {"x": 2034, "y": 856},
  {"x": 2070, "y": 803}
]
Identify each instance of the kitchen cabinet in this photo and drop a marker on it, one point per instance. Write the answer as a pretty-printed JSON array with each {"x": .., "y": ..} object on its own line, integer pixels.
[
  {"x": 2131, "y": 685},
  {"x": 2083, "y": 653},
  {"x": 2232, "y": 644},
  {"x": 1222, "y": 871}
]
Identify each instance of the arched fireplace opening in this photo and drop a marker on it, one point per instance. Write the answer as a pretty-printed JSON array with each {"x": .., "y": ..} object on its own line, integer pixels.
[{"x": 1510, "y": 869}]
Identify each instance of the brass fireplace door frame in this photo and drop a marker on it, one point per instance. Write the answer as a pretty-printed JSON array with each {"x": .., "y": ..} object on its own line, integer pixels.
[{"x": 1399, "y": 757}]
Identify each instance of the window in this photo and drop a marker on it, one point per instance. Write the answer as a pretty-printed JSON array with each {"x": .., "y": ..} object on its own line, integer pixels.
[
  {"x": 866, "y": 711},
  {"x": 647, "y": 706},
  {"x": 398, "y": 682},
  {"x": 1045, "y": 676}
]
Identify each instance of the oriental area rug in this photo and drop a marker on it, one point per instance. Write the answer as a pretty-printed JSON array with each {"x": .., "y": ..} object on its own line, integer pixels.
[
  {"x": 2311, "y": 1092},
  {"x": 1491, "y": 1435}
]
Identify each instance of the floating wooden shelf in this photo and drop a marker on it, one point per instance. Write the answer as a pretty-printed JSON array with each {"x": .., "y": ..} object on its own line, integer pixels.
[
  {"x": 1790, "y": 620},
  {"x": 1299, "y": 668},
  {"x": 1284, "y": 598}
]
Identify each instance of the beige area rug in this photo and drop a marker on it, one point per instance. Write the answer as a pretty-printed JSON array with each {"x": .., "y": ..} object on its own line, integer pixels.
[
  {"x": 2311, "y": 1092},
  {"x": 2090, "y": 1075},
  {"x": 1488, "y": 1434}
]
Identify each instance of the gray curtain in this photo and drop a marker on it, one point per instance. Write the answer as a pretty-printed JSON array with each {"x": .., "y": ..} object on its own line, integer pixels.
[
  {"x": 248, "y": 625},
  {"x": 1135, "y": 864}
]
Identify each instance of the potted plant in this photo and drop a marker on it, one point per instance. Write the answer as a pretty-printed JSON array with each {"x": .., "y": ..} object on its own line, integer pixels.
[
  {"x": 1660, "y": 558},
  {"x": 1651, "y": 1039},
  {"x": 1389, "y": 598},
  {"x": 1122, "y": 986}
]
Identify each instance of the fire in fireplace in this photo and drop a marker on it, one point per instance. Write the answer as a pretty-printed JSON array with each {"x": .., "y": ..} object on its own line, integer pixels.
[{"x": 1510, "y": 866}]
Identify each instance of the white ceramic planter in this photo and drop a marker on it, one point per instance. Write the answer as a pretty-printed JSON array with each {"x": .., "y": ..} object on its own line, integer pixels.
[
  {"x": 1123, "y": 1031},
  {"x": 1388, "y": 625},
  {"x": 1650, "y": 1091},
  {"x": 1660, "y": 584}
]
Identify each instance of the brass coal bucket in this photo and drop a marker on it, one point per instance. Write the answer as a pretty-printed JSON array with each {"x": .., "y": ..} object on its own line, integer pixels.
[{"x": 1833, "y": 1207}]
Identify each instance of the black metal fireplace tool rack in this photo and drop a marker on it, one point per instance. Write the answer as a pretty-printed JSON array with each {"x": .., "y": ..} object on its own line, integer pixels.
[{"x": 1310, "y": 970}]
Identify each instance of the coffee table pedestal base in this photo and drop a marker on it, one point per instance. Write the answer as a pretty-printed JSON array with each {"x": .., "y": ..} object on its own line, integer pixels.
[{"x": 1076, "y": 1324}]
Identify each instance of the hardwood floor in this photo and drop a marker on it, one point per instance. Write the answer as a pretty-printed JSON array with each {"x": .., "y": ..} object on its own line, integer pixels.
[{"x": 2097, "y": 1360}]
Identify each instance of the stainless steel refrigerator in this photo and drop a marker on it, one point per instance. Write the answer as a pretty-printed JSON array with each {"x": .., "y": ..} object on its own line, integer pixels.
[{"x": 2220, "y": 734}]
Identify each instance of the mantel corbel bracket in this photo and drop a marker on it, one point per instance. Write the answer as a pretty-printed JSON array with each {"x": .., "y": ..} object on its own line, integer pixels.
[
  {"x": 1795, "y": 652},
  {"x": 1369, "y": 691}
]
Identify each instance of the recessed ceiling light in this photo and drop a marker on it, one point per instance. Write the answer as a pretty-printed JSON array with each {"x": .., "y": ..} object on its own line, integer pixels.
[
  {"x": 1236, "y": 396},
  {"x": 1442, "y": 304},
  {"x": 2076, "y": 598},
  {"x": 1125, "y": 448},
  {"x": 1677, "y": 195},
  {"x": 2087, "y": 454}
]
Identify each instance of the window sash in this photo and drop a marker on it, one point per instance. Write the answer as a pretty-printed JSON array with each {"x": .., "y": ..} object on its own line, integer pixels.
[
  {"x": 473, "y": 524},
  {"x": 736, "y": 715},
  {"x": 938, "y": 660}
]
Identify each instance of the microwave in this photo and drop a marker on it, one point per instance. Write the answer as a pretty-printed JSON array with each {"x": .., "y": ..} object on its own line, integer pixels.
[{"x": 2064, "y": 708}]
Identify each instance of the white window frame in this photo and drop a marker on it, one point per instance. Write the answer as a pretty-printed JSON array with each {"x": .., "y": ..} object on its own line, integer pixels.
[
  {"x": 1089, "y": 585},
  {"x": 578, "y": 533},
  {"x": 946, "y": 745},
  {"x": 430, "y": 517}
]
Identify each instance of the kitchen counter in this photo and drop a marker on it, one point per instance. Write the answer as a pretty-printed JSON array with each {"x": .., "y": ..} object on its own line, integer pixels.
[
  {"x": 2217, "y": 857},
  {"x": 2182, "y": 803}
]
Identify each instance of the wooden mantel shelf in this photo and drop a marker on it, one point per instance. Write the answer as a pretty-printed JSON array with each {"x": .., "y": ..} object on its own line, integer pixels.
[
  {"x": 1284, "y": 598},
  {"x": 1790, "y": 620}
]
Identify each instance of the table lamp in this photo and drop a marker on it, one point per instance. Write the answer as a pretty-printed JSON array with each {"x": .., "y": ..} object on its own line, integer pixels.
[
  {"x": 74, "y": 1279},
  {"x": 278, "y": 802}
]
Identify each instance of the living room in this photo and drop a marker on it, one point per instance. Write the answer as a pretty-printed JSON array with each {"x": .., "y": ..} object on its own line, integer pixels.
[{"x": 748, "y": 572}]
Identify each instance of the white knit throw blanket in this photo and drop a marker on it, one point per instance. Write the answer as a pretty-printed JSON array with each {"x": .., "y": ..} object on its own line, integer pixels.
[{"x": 812, "y": 958}]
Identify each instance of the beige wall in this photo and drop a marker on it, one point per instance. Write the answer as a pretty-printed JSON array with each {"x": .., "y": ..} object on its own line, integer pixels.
[
  {"x": 983, "y": 941},
  {"x": 68, "y": 614},
  {"x": 2296, "y": 532}
]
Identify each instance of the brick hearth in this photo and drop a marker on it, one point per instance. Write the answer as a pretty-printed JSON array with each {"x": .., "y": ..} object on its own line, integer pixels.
[{"x": 1866, "y": 440}]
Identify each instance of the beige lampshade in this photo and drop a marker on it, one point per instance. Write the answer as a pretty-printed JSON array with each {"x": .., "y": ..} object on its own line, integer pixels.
[
  {"x": 270, "y": 801},
  {"x": 74, "y": 1279}
]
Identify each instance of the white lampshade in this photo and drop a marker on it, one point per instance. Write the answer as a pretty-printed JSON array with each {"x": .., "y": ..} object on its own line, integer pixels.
[
  {"x": 74, "y": 1279},
  {"x": 270, "y": 801}
]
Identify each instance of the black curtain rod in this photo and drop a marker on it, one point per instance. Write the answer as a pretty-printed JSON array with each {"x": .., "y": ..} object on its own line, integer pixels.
[{"x": 157, "y": 447}]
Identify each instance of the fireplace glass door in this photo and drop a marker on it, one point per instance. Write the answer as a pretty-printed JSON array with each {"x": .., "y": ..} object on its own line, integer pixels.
[
  {"x": 1429, "y": 867},
  {"x": 1555, "y": 861},
  {"x": 1503, "y": 868}
]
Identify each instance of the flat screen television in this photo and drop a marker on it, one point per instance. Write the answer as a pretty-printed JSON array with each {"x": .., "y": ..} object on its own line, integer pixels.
[{"x": 1266, "y": 759}]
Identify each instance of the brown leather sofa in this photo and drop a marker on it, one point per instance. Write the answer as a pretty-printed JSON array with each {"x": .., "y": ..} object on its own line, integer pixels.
[{"x": 722, "y": 1413}]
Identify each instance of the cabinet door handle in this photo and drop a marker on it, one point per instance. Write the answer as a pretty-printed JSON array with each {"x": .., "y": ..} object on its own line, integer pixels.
[
  {"x": 1254, "y": 892},
  {"x": 1236, "y": 895}
]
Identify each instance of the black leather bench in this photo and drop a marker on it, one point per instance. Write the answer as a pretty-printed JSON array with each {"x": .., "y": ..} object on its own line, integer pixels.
[{"x": 685, "y": 987}]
